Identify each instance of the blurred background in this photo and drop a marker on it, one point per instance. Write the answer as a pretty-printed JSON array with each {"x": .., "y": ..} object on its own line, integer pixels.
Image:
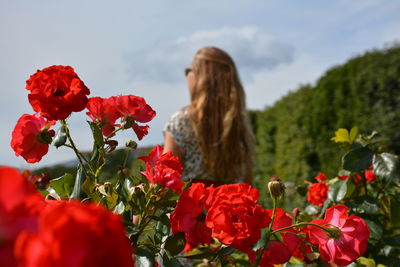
[{"x": 308, "y": 67}]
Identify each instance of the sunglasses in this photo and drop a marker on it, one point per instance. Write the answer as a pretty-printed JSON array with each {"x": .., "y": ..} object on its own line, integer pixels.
[{"x": 187, "y": 71}]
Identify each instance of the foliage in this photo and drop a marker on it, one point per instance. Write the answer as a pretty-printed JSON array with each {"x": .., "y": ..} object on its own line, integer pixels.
[
  {"x": 293, "y": 135},
  {"x": 369, "y": 184}
]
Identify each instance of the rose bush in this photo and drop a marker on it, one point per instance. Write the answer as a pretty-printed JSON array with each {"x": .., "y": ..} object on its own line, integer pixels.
[{"x": 165, "y": 220}]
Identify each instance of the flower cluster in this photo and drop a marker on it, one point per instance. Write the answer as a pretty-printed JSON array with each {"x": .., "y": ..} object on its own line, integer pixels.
[
  {"x": 231, "y": 215},
  {"x": 56, "y": 92}
]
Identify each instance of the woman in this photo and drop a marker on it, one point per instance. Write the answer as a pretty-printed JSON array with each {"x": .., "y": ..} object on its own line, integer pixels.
[{"x": 212, "y": 136}]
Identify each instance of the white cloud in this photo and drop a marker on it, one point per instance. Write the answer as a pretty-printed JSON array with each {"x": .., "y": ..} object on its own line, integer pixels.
[{"x": 252, "y": 49}]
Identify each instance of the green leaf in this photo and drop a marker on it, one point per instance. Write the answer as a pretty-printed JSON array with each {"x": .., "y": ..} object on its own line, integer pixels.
[
  {"x": 337, "y": 191},
  {"x": 357, "y": 160},
  {"x": 77, "y": 192},
  {"x": 109, "y": 195},
  {"x": 120, "y": 208},
  {"x": 63, "y": 185},
  {"x": 394, "y": 211},
  {"x": 226, "y": 251},
  {"x": 141, "y": 261},
  {"x": 365, "y": 204},
  {"x": 366, "y": 262},
  {"x": 291, "y": 264},
  {"x": 341, "y": 136},
  {"x": 60, "y": 138},
  {"x": 262, "y": 241},
  {"x": 243, "y": 263},
  {"x": 393, "y": 241},
  {"x": 387, "y": 166},
  {"x": 97, "y": 135},
  {"x": 201, "y": 255},
  {"x": 375, "y": 228},
  {"x": 302, "y": 190},
  {"x": 162, "y": 227},
  {"x": 312, "y": 209},
  {"x": 95, "y": 153},
  {"x": 353, "y": 134},
  {"x": 169, "y": 261},
  {"x": 175, "y": 243}
]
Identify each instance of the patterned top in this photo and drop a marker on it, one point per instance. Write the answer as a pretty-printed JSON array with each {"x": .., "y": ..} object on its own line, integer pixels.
[{"x": 181, "y": 130}]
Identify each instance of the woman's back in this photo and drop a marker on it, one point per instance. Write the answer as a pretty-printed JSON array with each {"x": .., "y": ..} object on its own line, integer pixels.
[
  {"x": 216, "y": 119},
  {"x": 181, "y": 129}
]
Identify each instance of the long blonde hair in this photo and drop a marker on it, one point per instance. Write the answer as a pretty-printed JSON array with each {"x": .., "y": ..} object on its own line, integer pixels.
[{"x": 219, "y": 117}]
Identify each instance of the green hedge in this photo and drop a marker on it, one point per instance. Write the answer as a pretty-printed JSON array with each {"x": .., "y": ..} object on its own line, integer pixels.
[{"x": 293, "y": 135}]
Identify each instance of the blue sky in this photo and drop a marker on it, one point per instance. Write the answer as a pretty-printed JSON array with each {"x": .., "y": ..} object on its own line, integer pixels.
[{"x": 141, "y": 48}]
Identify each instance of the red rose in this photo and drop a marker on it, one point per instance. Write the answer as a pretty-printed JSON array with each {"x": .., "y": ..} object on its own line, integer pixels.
[
  {"x": 280, "y": 252},
  {"x": 235, "y": 218},
  {"x": 347, "y": 237},
  {"x": 57, "y": 91},
  {"x": 317, "y": 194},
  {"x": 134, "y": 109},
  {"x": 75, "y": 234},
  {"x": 131, "y": 109},
  {"x": 321, "y": 177},
  {"x": 104, "y": 111},
  {"x": 31, "y": 137},
  {"x": 369, "y": 176},
  {"x": 189, "y": 216},
  {"x": 20, "y": 205},
  {"x": 275, "y": 253},
  {"x": 343, "y": 177},
  {"x": 163, "y": 169},
  {"x": 236, "y": 193}
]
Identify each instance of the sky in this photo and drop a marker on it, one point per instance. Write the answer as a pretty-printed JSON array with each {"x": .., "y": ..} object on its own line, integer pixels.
[{"x": 142, "y": 47}]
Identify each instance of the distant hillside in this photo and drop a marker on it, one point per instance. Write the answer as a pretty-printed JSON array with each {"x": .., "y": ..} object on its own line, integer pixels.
[{"x": 293, "y": 136}]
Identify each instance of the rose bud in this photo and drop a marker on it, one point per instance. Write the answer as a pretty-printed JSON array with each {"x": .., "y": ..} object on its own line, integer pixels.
[
  {"x": 135, "y": 219},
  {"x": 276, "y": 187},
  {"x": 131, "y": 144},
  {"x": 295, "y": 212}
]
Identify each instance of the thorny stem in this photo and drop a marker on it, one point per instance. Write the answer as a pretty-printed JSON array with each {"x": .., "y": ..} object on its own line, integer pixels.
[
  {"x": 73, "y": 146},
  {"x": 301, "y": 225},
  {"x": 127, "y": 154},
  {"x": 112, "y": 133},
  {"x": 144, "y": 212}
]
